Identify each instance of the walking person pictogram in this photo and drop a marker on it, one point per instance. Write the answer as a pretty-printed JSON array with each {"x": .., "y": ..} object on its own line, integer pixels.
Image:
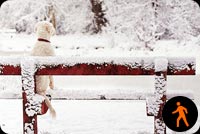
[
  {"x": 180, "y": 114},
  {"x": 182, "y": 111}
]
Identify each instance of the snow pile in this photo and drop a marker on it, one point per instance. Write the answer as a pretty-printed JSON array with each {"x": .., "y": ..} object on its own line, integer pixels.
[
  {"x": 133, "y": 62},
  {"x": 161, "y": 64},
  {"x": 10, "y": 60},
  {"x": 152, "y": 105},
  {"x": 184, "y": 64}
]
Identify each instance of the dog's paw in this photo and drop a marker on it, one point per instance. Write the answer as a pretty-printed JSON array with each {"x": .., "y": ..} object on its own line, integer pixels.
[{"x": 53, "y": 113}]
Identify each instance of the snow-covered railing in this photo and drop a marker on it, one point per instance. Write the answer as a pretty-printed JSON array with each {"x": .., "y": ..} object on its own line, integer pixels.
[
  {"x": 33, "y": 104},
  {"x": 97, "y": 66}
]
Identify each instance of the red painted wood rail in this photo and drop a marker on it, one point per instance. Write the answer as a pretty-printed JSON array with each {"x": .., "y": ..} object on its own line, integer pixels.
[{"x": 30, "y": 66}]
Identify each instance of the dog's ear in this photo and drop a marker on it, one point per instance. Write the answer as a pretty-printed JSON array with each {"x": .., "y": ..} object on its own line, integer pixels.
[
  {"x": 50, "y": 29},
  {"x": 53, "y": 31}
]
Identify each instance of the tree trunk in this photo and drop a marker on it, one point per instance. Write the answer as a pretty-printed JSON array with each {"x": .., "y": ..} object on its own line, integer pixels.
[
  {"x": 51, "y": 15},
  {"x": 99, "y": 20},
  {"x": 155, "y": 8}
]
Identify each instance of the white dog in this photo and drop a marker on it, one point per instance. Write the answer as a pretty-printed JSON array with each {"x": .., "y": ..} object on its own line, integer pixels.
[{"x": 44, "y": 31}]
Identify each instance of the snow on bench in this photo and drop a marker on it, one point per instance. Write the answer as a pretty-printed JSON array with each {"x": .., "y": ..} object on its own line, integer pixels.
[
  {"x": 114, "y": 94},
  {"x": 97, "y": 66},
  {"x": 33, "y": 104}
]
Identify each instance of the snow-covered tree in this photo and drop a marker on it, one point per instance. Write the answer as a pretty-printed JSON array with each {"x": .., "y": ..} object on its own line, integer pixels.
[
  {"x": 167, "y": 19},
  {"x": 147, "y": 28},
  {"x": 139, "y": 20},
  {"x": 68, "y": 16},
  {"x": 134, "y": 18},
  {"x": 182, "y": 19}
]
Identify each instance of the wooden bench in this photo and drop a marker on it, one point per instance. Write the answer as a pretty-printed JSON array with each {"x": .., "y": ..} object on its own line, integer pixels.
[{"x": 34, "y": 105}]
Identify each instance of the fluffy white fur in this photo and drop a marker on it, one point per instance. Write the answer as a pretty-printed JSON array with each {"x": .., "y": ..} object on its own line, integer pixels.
[{"x": 44, "y": 30}]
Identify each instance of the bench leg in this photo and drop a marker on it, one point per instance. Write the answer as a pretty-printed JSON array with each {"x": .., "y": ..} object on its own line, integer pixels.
[
  {"x": 30, "y": 106},
  {"x": 29, "y": 123},
  {"x": 160, "y": 93}
]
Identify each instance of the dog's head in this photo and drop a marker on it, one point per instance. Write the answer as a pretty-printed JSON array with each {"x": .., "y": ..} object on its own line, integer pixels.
[{"x": 44, "y": 28}]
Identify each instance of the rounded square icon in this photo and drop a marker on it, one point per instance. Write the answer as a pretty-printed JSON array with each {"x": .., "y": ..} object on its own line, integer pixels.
[{"x": 180, "y": 114}]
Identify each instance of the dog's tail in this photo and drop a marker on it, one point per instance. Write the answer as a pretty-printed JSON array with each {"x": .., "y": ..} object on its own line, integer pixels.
[{"x": 52, "y": 111}]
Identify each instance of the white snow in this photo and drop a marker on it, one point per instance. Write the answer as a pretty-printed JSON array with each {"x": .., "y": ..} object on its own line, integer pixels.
[
  {"x": 160, "y": 85},
  {"x": 161, "y": 64},
  {"x": 28, "y": 71},
  {"x": 135, "y": 19},
  {"x": 82, "y": 48},
  {"x": 84, "y": 117},
  {"x": 10, "y": 60},
  {"x": 179, "y": 63},
  {"x": 29, "y": 128},
  {"x": 130, "y": 35},
  {"x": 160, "y": 126},
  {"x": 153, "y": 104},
  {"x": 154, "y": 101},
  {"x": 33, "y": 105}
]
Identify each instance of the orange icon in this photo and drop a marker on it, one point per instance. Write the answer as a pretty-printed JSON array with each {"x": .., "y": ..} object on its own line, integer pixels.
[{"x": 182, "y": 111}]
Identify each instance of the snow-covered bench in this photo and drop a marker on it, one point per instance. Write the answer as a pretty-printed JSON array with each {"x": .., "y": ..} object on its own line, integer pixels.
[{"x": 34, "y": 105}]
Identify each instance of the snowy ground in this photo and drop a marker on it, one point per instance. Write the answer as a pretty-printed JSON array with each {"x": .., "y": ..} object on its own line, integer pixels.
[
  {"x": 111, "y": 45},
  {"x": 84, "y": 117},
  {"x": 89, "y": 117}
]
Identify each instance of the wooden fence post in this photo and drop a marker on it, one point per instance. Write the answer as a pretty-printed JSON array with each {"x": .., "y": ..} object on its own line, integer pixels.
[
  {"x": 30, "y": 105},
  {"x": 161, "y": 65},
  {"x": 29, "y": 123}
]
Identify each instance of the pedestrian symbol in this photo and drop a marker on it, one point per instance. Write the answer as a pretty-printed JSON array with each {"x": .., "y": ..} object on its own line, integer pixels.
[
  {"x": 182, "y": 111},
  {"x": 180, "y": 114}
]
